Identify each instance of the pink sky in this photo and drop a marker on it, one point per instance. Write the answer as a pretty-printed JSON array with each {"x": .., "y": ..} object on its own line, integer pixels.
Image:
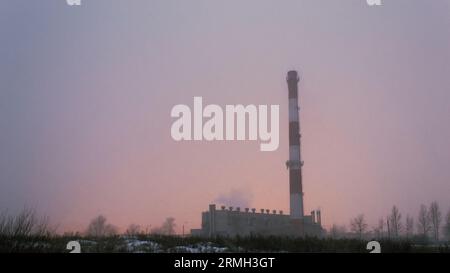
[{"x": 86, "y": 95}]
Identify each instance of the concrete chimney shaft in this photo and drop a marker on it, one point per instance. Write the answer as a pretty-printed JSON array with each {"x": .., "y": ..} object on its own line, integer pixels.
[{"x": 294, "y": 163}]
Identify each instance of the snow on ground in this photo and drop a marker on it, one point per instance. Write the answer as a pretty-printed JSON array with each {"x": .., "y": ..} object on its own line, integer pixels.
[
  {"x": 199, "y": 248},
  {"x": 138, "y": 246},
  {"x": 135, "y": 245}
]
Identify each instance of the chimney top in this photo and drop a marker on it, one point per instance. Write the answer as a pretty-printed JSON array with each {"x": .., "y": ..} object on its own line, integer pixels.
[{"x": 292, "y": 76}]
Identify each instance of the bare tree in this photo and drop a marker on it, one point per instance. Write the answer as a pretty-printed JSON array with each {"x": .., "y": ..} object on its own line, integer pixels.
[
  {"x": 409, "y": 226},
  {"x": 423, "y": 221},
  {"x": 26, "y": 223},
  {"x": 133, "y": 230},
  {"x": 358, "y": 225},
  {"x": 395, "y": 224},
  {"x": 147, "y": 229},
  {"x": 379, "y": 229},
  {"x": 388, "y": 227},
  {"x": 3, "y": 223},
  {"x": 436, "y": 218},
  {"x": 99, "y": 227},
  {"x": 167, "y": 228},
  {"x": 447, "y": 225},
  {"x": 337, "y": 231}
]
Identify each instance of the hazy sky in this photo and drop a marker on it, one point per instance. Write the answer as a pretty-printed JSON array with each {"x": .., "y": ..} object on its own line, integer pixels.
[{"x": 86, "y": 94}]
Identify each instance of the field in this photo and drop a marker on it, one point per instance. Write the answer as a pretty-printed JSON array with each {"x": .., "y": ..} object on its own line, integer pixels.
[{"x": 178, "y": 244}]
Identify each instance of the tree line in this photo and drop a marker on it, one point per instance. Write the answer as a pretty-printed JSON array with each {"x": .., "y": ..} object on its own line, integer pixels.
[
  {"x": 427, "y": 225},
  {"x": 28, "y": 223}
]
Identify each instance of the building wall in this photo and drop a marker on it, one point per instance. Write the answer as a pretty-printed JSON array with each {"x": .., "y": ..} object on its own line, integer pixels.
[{"x": 225, "y": 222}]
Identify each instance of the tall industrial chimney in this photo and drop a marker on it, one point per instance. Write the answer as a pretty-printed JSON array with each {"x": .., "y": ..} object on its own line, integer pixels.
[{"x": 294, "y": 164}]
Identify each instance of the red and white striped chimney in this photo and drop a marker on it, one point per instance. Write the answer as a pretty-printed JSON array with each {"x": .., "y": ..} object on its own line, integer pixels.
[{"x": 294, "y": 164}]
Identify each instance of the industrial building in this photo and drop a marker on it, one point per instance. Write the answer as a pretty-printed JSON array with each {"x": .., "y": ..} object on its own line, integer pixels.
[{"x": 234, "y": 221}]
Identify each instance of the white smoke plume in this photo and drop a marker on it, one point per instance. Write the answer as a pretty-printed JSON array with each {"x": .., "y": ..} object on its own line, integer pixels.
[{"x": 235, "y": 198}]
